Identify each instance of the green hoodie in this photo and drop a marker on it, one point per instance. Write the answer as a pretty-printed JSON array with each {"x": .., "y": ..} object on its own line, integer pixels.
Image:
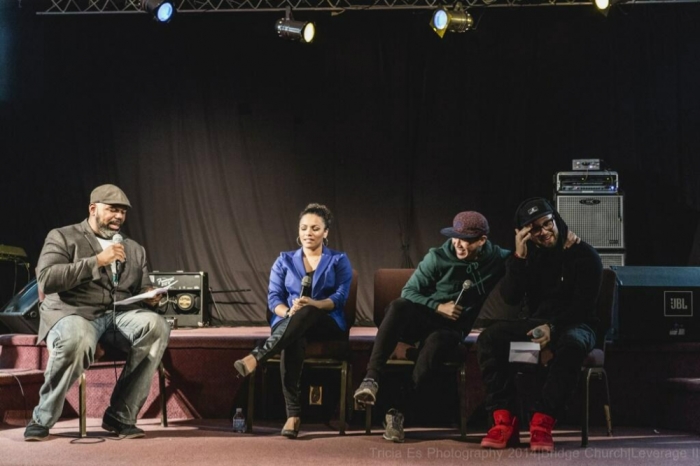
[{"x": 440, "y": 275}]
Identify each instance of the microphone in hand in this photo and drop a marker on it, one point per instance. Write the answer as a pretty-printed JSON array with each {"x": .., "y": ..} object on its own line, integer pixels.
[
  {"x": 537, "y": 333},
  {"x": 305, "y": 287},
  {"x": 465, "y": 286},
  {"x": 117, "y": 239}
]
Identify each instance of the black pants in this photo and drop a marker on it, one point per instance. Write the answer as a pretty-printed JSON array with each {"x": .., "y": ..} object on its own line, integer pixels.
[
  {"x": 412, "y": 323},
  {"x": 289, "y": 337},
  {"x": 570, "y": 347}
]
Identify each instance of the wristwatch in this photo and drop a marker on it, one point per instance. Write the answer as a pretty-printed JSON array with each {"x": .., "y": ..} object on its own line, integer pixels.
[{"x": 551, "y": 327}]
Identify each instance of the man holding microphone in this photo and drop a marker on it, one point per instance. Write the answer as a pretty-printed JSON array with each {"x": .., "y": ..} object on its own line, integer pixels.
[
  {"x": 437, "y": 308},
  {"x": 83, "y": 270}
]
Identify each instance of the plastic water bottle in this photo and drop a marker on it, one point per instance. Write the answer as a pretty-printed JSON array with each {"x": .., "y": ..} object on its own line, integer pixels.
[{"x": 239, "y": 421}]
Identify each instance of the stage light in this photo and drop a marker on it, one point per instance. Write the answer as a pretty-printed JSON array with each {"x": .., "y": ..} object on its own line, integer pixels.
[
  {"x": 605, "y": 5},
  {"x": 295, "y": 30},
  {"x": 454, "y": 20},
  {"x": 288, "y": 28},
  {"x": 161, "y": 10}
]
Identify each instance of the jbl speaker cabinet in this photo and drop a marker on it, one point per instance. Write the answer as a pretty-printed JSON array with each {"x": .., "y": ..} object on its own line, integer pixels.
[{"x": 657, "y": 304}]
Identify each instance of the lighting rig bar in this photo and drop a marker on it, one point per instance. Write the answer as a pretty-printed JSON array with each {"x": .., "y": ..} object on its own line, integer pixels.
[{"x": 73, "y": 7}]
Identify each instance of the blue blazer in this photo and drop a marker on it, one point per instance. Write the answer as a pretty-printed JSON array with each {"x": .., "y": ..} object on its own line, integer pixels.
[{"x": 332, "y": 279}]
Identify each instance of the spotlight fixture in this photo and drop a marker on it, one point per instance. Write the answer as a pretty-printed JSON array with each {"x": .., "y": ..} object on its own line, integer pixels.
[
  {"x": 161, "y": 10},
  {"x": 453, "y": 20},
  {"x": 288, "y": 28},
  {"x": 605, "y": 5}
]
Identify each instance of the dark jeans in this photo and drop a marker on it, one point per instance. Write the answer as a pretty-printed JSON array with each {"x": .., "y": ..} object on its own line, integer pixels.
[
  {"x": 570, "y": 346},
  {"x": 289, "y": 337},
  {"x": 410, "y": 323}
]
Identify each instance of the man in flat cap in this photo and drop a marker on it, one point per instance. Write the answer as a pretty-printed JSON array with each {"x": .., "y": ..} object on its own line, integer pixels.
[
  {"x": 560, "y": 286},
  {"x": 426, "y": 323},
  {"x": 83, "y": 271}
]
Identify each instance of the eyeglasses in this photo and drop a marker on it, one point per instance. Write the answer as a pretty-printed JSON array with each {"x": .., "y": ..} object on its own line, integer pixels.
[{"x": 546, "y": 225}]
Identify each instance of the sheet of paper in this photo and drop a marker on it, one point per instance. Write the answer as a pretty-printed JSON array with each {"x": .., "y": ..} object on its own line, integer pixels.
[
  {"x": 524, "y": 351},
  {"x": 146, "y": 295}
]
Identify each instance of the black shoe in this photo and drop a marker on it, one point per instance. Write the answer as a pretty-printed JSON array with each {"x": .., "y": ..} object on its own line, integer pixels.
[
  {"x": 291, "y": 433},
  {"x": 35, "y": 432},
  {"x": 122, "y": 430}
]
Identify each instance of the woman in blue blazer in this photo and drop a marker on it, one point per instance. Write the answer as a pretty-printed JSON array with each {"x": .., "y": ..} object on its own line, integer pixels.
[{"x": 307, "y": 294}]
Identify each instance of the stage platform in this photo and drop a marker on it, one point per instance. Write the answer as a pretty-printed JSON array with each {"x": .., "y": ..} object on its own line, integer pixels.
[
  {"x": 651, "y": 385},
  {"x": 201, "y": 382}
]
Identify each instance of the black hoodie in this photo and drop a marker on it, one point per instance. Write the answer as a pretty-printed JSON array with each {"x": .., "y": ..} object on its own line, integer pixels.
[{"x": 560, "y": 285}]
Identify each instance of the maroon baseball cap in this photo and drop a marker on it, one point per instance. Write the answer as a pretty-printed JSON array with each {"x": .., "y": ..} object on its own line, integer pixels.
[{"x": 467, "y": 225}]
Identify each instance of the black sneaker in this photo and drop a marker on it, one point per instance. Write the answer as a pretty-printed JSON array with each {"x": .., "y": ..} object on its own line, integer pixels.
[
  {"x": 122, "y": 430},
  {"x": 35, "y": 432}
]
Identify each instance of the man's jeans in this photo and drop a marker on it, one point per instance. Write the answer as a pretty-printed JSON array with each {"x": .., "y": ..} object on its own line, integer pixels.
[{"x": 71, "y": 344}]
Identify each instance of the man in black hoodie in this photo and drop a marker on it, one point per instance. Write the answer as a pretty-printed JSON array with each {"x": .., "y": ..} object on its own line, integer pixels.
[{"x": 560, "y": 287}]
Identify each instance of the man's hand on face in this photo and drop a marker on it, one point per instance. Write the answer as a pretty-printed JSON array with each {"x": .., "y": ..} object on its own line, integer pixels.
[{"x": 521, "y": 238}]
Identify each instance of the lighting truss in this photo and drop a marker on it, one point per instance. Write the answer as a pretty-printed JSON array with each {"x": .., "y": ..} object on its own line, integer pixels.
[{"x": 65, "y": 7}]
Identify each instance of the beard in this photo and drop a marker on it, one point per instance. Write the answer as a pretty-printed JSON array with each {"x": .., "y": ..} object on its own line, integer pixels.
[{"x": 105, "y": 231}]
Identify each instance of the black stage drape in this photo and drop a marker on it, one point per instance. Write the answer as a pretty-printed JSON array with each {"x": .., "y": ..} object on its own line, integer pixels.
[{"x": 220, "y": 133}]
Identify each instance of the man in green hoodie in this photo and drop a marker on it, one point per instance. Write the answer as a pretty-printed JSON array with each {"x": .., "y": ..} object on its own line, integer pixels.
[{"x": 436, "y": 310}]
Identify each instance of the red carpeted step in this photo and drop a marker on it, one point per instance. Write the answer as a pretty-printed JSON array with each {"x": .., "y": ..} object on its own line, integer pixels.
[{"x": 19, "y": 392}]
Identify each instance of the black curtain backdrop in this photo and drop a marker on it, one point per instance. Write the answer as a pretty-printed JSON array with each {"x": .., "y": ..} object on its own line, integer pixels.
[{"x": 220, "y": 133}]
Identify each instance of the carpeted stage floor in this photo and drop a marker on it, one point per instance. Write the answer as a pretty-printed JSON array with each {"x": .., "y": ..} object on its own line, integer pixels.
[
  {"x": 211, "y": 442},
  {"x": 202, "y": 392}
]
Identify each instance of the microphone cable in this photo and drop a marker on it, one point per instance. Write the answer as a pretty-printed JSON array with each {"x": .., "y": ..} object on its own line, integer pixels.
[{"x": 114, "y": 327}]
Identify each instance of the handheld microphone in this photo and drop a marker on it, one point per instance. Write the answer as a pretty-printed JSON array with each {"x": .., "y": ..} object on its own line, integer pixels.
[
  {"x": 116, "y": 239},
  {"x": 305, "y": 287},
  {"x": 465, "y": 286},
  {"x": 537, "y": 333}
]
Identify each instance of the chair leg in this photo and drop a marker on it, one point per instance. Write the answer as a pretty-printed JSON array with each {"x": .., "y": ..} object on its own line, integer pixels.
[
  {"x": 82, "y": 408},
  {"x": 586, "y": 408},
  {"x": 349, "y": 399},
  {"x": 263, "y": 391},
  {"x": 251, "y": 403},
  {"x": 163, "y": 399},
  {"x": 368, "y": 419},
  {"x": 606, "y": 408},
  {"x": 462, "y": 391},
  {"x": 343, "y": 394}
]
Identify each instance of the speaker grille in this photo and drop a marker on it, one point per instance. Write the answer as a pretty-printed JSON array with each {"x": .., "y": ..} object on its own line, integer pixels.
[
  {"x": 597, "y": 220},
  {"x": 612, "y": 259}
]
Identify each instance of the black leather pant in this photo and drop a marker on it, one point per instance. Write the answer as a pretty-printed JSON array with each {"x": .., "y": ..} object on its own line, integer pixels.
[
  {"x": 289, "y": 337},
  {"x": 570, "y": 346}
]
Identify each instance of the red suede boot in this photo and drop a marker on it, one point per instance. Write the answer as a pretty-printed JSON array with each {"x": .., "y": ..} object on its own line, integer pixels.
[
  {"x": 541, "y": 432},
  {"x": 504, "y": 433}
]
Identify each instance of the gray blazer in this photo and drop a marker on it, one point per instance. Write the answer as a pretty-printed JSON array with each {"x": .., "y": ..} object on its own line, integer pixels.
[{"x": 73, "y": 284}]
